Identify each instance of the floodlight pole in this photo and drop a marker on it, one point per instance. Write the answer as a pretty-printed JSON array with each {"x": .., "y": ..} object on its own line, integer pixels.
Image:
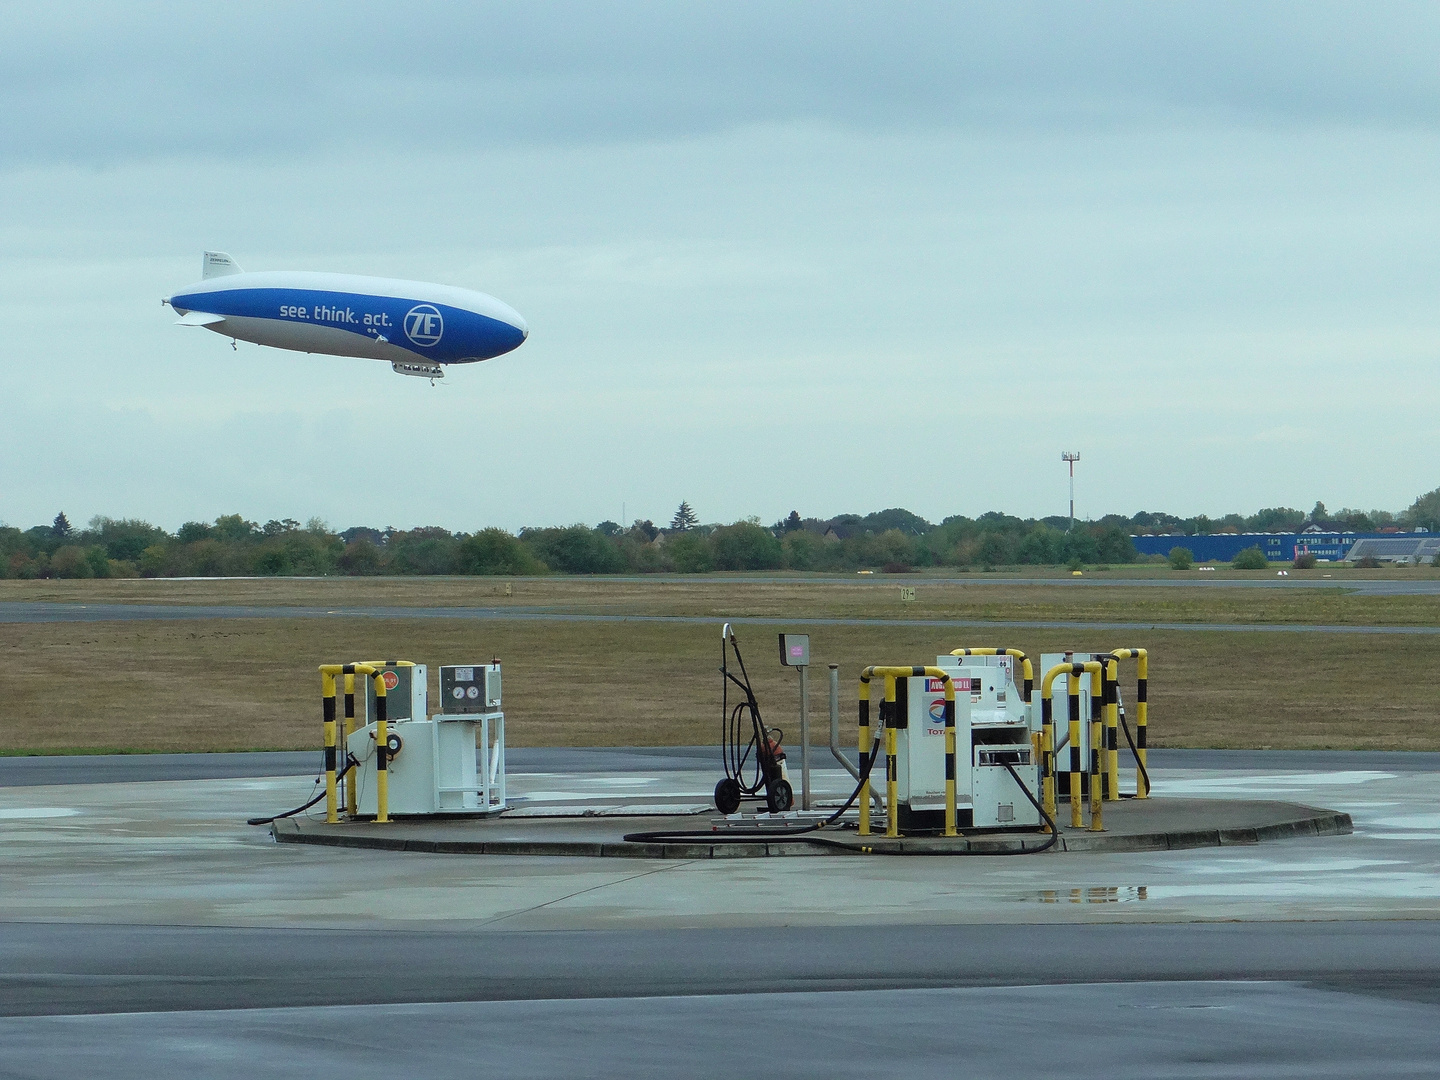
[{"x": 1070, "y": 457}]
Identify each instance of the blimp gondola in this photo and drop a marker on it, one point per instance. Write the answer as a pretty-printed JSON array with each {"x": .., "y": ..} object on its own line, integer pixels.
[{"x": 418, "y": 327}]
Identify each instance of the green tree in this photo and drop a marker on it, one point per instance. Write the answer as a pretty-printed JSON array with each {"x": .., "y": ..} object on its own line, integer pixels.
[
  {"x": 995, "y": 550},
  {"x": 495, "y": 551},
  {"x": 100, "y": 563},
  {"x": 1113, "y": 545},
  {"x": 803, "y": 550},
  {"x": 577, "y": 549},
  {"x": 1252, "y": 558},
  {"x": 1424, "y": 512},
  {"x": 360, "y": 558},
  {"x": 684, "y": 519},
  {"x": 70, "y": 562},
  {"x": 1040, "y": 546},
  {"x": 234, "y": 528},
  {"x": 690, "y": 553},
  {"x": 1181, "y": 558},
  {"x": 61, "y": 526},
  {"x": 125, "y": 539},
  {"x": 746, "y": 546}
]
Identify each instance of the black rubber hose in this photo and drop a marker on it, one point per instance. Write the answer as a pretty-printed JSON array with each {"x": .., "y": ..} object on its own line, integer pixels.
[
  {"x": 748, "y": 836},
  {"x": 1049, "y": 821},
  {"x": 349, "y": 764},
  {"x": 1144, "y": 773}
]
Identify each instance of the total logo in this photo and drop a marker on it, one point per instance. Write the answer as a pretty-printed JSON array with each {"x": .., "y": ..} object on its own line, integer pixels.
[
  {"x": 937, "y": 711},
  {"x": 390, "y": 679},
  {"x": 424, "y": 325}
]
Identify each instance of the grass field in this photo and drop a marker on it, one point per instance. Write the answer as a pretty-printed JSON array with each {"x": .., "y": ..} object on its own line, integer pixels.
[{"x": 252, "y": 683}]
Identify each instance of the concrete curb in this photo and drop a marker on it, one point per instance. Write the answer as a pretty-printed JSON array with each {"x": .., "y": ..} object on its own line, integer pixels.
[{"x": 1314, "y": 822}]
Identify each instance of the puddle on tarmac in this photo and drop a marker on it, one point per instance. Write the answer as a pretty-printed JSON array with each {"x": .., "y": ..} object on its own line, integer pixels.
[
  {"x": 1257, "y": 782},
  {"x": 1101, "y": 894},
  {"x": 1406, "y": 821},
  {"x": 32, "y": 812}
]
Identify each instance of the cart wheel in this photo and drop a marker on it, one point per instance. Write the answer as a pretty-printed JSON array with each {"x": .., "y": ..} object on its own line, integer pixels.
[
  {"x": 779, "y": 796},
  {"x": 727, "y": 795}
]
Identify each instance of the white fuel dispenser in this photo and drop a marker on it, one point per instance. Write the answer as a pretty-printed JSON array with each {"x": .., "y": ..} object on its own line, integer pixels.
[{"x": 451, "y": 762}]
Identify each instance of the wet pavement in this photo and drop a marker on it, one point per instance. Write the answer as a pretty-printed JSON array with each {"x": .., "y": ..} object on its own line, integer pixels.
[
  {"x": 178, "y": 852},
  {"x": 146, "y": 931}
]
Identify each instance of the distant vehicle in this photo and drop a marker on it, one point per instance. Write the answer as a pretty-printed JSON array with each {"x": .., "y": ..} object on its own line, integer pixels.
[{"x": 416, "y": 326}]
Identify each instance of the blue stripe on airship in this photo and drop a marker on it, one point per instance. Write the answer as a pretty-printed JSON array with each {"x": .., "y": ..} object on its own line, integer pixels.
[{"x": 439, "y": 332}]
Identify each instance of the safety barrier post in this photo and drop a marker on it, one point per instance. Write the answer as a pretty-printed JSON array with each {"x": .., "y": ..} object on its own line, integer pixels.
[
  {"x": 1077, "y": 819},
  {"x": 863, "y": 748},
  {"x": 1112, "y": 728},
  {"x": 327, "y": 701},
  {"x": 327, "y": 712},
  {"x": 1142, "y": 715},
  {"x": 892, "y": 767},
  {"x": 382, "y": 749},
  {"x": 891, "y": 721},
  {"x": 1097, "y": 737},
  {"x": 950, "y": 809},
  {"x": 351, "y": 804},
  {"x": 1047, "y": 739},
  {"x": 1142, "y": 718}
]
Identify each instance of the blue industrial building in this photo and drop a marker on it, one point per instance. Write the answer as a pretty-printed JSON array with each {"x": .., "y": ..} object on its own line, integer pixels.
[{"x": 1278, "y": 547}]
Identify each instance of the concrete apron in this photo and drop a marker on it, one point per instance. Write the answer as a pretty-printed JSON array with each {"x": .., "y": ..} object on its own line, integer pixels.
[{"x": 1154, "y": 824}]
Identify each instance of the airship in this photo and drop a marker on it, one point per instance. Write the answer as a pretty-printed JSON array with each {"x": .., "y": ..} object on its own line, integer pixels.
[{"x": 416, "y": 326}]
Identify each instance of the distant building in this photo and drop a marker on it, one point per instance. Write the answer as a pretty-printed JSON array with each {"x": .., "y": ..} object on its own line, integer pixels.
[
  {"x": 1411, "y": 548},
  {"x": 1327, "y": 546}
]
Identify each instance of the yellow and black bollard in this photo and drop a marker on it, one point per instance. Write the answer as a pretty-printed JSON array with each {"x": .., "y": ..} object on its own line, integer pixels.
[
  {"x": 1073, "y": 686},
  {"x": 863, "y": 749},
  {"x": 1142, "y": 715},
  {"x": 351, "y": 805},
  {"x": 1097, "y": 757},
  {"x": 950, "y": 798},
  {"x": 327, "y": 713},
  {"x": 891, "y": 721},
  {"x": 892, "y": 765},
  {"x": 382, "y": 749}
]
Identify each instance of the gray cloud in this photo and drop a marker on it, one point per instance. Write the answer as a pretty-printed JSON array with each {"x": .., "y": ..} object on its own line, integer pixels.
[
  {"x": 109, "y": 82},
  {"x": 1197, "y": 242}
]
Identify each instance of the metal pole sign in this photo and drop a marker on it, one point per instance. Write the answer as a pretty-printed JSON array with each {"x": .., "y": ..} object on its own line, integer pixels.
[{"x": 795, "y": 652}]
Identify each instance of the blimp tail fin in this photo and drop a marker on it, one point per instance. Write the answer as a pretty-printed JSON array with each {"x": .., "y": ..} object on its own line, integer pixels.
[{"x": 218, "y": 264}]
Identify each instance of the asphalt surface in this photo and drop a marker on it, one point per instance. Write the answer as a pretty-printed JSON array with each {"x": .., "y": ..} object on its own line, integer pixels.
[
  {"x": 1141, "y": 1030},
  {"x": 139, "y": 768},
  {"x": 39, "y": 612},
  {"x": 197, "y": 948},
  {"x": 1268, "y": 1000},
  {"x": 77, "y": 968}
]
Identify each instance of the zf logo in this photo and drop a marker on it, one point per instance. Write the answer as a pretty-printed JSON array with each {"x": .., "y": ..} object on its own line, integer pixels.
[{"x": 423, "y": 325}]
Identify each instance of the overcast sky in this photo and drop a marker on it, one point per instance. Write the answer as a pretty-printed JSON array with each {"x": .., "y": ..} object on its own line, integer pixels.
[{"x": 829, "y": 257}]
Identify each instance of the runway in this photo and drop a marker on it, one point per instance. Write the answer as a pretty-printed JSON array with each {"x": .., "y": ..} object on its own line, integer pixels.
[{"x": 44, "y": 612}]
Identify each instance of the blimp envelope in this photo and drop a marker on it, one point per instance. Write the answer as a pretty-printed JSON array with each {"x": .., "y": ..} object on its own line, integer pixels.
[{"x": 416, "y": 326}]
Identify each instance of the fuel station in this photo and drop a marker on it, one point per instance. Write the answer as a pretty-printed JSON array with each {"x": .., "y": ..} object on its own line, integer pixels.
[{"x": 959, "y": 756}]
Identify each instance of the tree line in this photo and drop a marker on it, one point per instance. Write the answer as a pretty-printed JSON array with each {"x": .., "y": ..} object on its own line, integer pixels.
[{"x": 894, "y": 541}]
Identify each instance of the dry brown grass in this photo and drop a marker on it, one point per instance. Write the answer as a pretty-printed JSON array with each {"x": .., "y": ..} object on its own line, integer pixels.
[{"x": 252, "y": 683}]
